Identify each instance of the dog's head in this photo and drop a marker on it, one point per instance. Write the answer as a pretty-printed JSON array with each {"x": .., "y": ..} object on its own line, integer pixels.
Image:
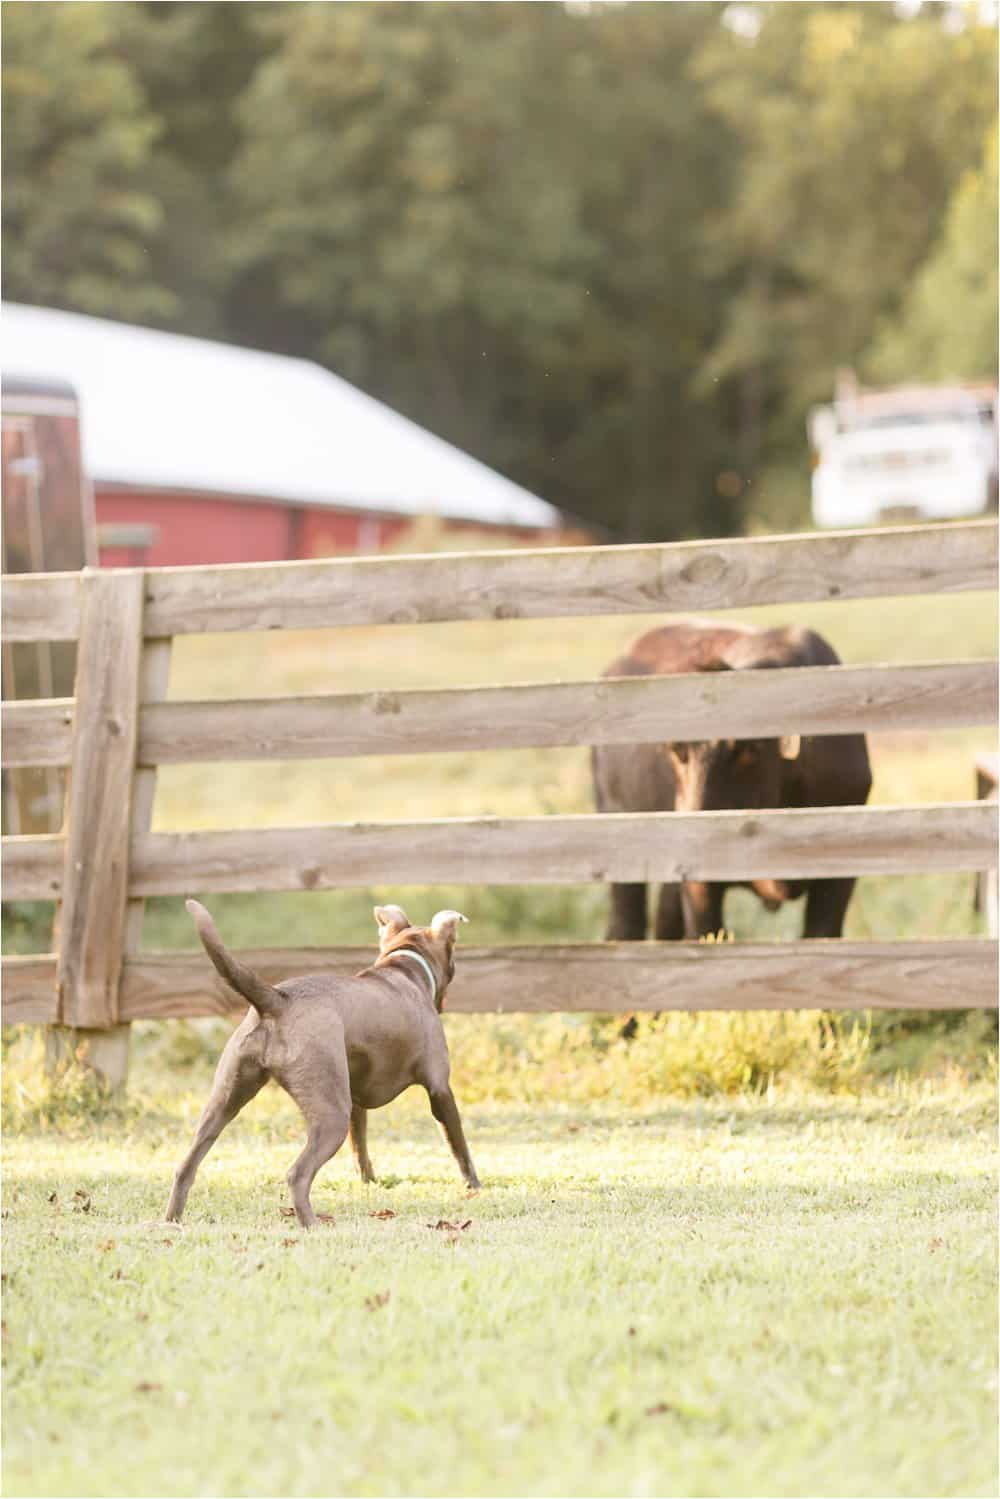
[{"x": 434, "y": 943}]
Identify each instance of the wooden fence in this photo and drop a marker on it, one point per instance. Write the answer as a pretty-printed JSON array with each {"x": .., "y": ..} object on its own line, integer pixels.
[{"x": 119, "y": 727}]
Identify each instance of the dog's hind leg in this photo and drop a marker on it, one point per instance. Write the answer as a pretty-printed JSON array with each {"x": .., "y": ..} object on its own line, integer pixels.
[
  {"x": 327, "y": 1133},
  {"x": 321, "y": 1086},
  {"x": 359, "y": 1142},
  {"x": 238, "y": 1078}
]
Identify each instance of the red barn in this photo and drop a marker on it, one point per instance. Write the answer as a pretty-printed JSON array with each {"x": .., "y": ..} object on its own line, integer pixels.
[{"x": 201, "y": 452}]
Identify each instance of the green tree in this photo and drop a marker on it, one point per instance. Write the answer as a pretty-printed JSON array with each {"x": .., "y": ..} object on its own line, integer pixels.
[
  {"x": 491, "y": 217},
  {"x": 947, "y": 327},
  {"x": 79, "y": 220},
  {"x": 855, "y": 125},
  {"x": 193, "y": 62}
]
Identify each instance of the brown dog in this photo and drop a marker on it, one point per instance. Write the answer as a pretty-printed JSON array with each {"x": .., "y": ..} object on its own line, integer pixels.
[{"x": 339, "y": 1046}]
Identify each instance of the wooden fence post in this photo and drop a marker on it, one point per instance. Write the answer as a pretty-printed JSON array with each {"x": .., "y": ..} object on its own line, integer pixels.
[
  {"x": 154, "y": 674},
  {"x": 95, "y": 883}
]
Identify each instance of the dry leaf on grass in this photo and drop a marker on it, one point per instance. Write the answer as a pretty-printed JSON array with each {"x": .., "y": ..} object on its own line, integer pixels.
[{"x": 383, "y": 1213}]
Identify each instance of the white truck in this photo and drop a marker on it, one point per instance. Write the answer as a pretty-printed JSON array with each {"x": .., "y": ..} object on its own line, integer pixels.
[{"x": 909, "y": 453}]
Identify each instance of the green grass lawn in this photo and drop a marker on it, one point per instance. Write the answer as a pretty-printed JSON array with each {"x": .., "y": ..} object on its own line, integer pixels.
[{"x": 779, "y": 1296}]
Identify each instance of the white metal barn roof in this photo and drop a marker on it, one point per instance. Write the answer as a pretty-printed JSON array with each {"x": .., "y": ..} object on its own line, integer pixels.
[{"x": 167, "y": 412}]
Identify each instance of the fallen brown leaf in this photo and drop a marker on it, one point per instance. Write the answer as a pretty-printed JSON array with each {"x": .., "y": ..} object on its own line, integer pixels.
[{"x": 383, "y": 1213}]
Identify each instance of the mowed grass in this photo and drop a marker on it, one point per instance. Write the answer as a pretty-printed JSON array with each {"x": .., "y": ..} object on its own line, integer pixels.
[{"x": 781, "y": 1296}]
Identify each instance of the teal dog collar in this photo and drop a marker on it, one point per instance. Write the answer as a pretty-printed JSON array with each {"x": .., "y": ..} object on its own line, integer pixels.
[{"x": 407, "y": 952}]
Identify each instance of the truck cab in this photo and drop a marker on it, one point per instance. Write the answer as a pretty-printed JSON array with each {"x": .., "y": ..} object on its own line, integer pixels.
[{"x": 909, "y": 453}]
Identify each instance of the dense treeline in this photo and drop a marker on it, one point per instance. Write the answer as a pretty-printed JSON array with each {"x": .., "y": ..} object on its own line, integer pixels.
[{"x": 616, "y": 251}]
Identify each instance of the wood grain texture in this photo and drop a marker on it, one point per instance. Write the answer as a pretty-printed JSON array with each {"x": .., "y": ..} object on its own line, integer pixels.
[
  {"x": 603, "y": 977},
  {"x": 540, "y": 584},
  {"x": 558, "y": 850},
  {"x": 526, "y": 584},
  {"x": 33, "y": 866},
  {"x": 41, "y": 606},
  {"x": 30, "y": 996},
  {"x": 953, "y": 974},
  {"x": 154, "y": 678},
  {"x": 97, "y": 825},
  {"x": 595, "y": 848},
  {"x": 626, "y": 710},
  {"x": 37, "y": 733}
]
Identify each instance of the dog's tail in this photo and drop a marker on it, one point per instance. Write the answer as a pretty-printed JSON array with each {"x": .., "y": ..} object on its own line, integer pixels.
[{"x": 264, "y": 998}]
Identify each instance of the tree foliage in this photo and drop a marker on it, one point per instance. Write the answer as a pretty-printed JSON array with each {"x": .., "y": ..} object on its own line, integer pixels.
[
  {"x": 947, "y": 326},
  {"x": 79, "y": 219},
  {"x": 615, "y": 251},
  {"x": 854, "y": 127}
]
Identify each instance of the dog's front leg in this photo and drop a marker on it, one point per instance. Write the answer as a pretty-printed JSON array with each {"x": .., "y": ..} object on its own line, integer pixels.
[
  {"x": 445, "y": 1111},
  {"x": 359, "y": 1142}
]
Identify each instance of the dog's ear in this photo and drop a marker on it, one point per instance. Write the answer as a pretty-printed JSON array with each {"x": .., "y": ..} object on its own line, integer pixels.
[
  {"x": 445, "y": 925},
  {"x": 391, "y": 921}
]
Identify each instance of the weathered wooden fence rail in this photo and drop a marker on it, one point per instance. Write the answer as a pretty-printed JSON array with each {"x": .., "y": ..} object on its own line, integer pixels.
[
  {"x": 612, "y": 977},
  {"x": 119, "y": 728},
  {"x": 620, "y": 847},
  {"x": 543, "y": 584},
  {"x": 626, "y": 710}
]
